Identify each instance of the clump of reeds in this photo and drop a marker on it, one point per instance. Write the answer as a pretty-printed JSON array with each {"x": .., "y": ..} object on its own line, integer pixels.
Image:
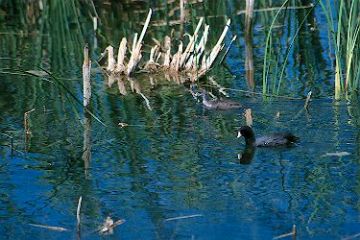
[
  {"x": 191, "y": 61},
  {"x": 344, "y": 28}
]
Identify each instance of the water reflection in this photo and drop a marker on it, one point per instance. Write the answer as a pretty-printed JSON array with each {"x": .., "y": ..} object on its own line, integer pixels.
[
  {"x": 179, "y": 158},
  {"x": 247, "y": 155}
]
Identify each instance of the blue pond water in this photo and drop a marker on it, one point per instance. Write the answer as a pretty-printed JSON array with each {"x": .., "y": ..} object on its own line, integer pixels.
[{"x": 177, "y": 160}]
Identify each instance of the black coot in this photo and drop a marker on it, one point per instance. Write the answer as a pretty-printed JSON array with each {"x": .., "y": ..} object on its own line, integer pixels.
[{"x": 273, "y": 140}]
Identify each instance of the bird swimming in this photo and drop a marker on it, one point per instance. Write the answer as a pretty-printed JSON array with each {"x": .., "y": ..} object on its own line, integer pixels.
[
  {"x": 272, "y": 140},
  {"x": 220, "y": 104}
]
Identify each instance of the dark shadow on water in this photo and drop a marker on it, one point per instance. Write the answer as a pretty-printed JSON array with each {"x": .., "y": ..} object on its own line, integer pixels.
[{"x": 247, "y": 155}]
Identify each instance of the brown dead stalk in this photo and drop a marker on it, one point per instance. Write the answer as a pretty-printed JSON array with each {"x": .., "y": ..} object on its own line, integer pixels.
[
  {"x": 86, "y": 68},
  {"x": 191, "y": 60}
]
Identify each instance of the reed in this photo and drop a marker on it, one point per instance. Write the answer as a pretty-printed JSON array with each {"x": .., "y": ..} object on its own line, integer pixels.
[
  {"x": 269, "y": 50},
  {"x": 344, "y": 26}
]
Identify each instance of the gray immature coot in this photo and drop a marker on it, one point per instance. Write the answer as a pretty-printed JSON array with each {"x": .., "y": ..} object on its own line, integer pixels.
[
  {"x": 221, "y": 104},
  {"x": 272, "y": 140}
]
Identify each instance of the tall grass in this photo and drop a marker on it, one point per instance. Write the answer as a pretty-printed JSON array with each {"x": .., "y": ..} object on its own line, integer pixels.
[
  {"x": 344, "y": 26},
  {"x": 276, "y": 56},
  {"x": 268, "y": 55}
]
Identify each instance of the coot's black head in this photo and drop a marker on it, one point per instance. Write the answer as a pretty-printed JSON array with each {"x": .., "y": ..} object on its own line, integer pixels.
[{"x": 247, "y": 133}]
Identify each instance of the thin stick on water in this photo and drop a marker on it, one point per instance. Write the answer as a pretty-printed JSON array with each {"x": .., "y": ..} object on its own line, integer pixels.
[
  {"x": 52, "y": 228},
  {"x": 351, "y": 237},
  {"x": 307, "y": 101},
  {"x": 146, "y": 101},
  {"x": 183, "y": 217},
  {"x": 86, "y": 68},
  {"x": 78, "y": 220},
  {"x": 78, "y": 213},
  {"x": 292, "y": 233}
]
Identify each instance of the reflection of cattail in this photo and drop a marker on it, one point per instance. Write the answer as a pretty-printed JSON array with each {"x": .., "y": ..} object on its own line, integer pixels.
[
  {"x": 27, "y": 127},
  {"x": 249, "y": 14},
  {"x": 86, "y": 77}
]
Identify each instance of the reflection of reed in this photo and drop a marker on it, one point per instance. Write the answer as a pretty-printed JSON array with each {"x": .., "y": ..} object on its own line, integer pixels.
[
  {"x": 27, "y": 128},
  {"x": 249, "y": 55},
  {"x": 86, "y": 156}
]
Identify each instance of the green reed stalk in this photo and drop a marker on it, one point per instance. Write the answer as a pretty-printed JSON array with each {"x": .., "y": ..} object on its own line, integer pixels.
[
  {"x": 290, "y": 46},
  {"x": 347, "y": 55},
  {"x": 268, "y": 49}
]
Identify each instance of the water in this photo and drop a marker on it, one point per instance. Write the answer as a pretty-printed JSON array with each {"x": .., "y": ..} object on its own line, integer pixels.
[{"x": 178, "y": 159}]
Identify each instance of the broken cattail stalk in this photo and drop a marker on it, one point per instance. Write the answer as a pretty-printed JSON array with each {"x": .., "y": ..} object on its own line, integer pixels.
[
  {"x": 151, "y": 64},
  {"x": 182, "y": 11},
  {"x": 191, "y": 43},
  {"x": 111, "y": 59},
  {"x": 120, "y": 67},
  {"x": 248, "y": 117},
  {"x": 175, "y": 63},
  {"x": 228, "y": 49},
  {"x": 215, "y": 51},
  {"x": 86, "y": 68},
  {"x": 209, "y": 61},
  {"x": 136, "y": 54},
  {"x": 249, "y": 11},
  {"x": 167, "y": 55}
]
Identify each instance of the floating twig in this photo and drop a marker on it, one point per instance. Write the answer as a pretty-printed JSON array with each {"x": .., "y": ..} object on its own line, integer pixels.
[
  {"x": 292, "y": 233},
  {"x": 109, "y": 225},
  {"x": 78, "y": 213},
  {"x": 52, "y": 228},
  {"x": 183, "y": 217},
  {"x": 336, "y": 154},
  {"x": 122, "y": 124}
]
